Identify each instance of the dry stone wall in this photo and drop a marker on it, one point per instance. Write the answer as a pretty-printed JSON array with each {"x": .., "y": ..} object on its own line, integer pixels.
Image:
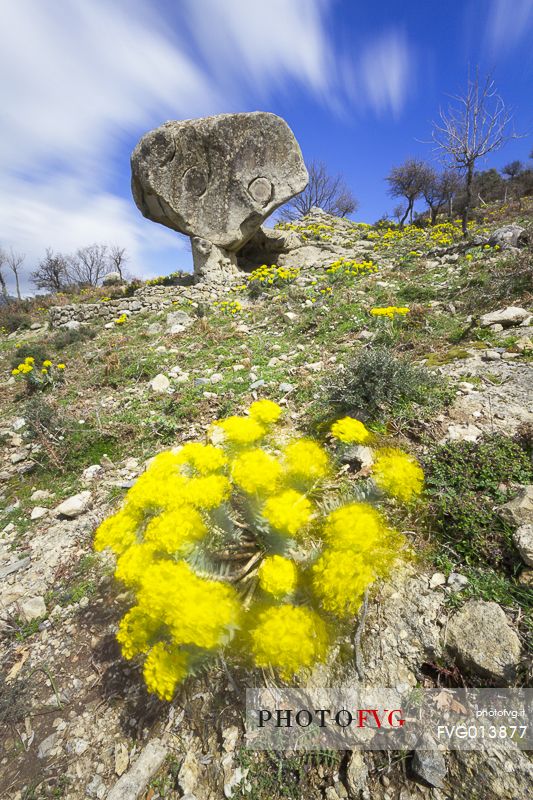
[{"x": 146, "y": 299}]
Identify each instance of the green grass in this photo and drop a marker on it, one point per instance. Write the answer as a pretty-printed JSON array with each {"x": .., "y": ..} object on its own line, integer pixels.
[
  {"x": 466, "y": 482},
  {"x": 287, "y": 777}
]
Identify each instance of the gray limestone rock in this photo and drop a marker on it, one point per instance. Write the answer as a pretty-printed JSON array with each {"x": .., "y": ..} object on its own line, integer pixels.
[
  {"x": 519, "y": 511},
  {"x": 483, "y": 641},
  {"x": 217, "y": 179},
  {"x": 133, "y": 782},
  {"x": 112, "y": 279},
  {"x": 429, "y": 766},
  {"x": 509, "y": 236},
  {"x": 512, "y": 315}
]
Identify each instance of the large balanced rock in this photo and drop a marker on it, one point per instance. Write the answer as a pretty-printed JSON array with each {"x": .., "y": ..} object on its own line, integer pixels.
[{"x": 216, "y": 179}]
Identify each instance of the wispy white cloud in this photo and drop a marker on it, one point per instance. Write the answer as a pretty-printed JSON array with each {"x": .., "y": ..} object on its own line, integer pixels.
[
  {"x": 65, "y": 213},
  {"x": 384, "y": 75},
  {"x": 508, "y": 23},
  {"x": 262, "y": 44},
  {"x": 77, "y": 75},
  {"x": 79, "y": 79}
]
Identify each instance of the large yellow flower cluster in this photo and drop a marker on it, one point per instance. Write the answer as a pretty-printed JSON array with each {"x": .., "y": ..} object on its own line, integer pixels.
[
  {"x": 226, "y": 545},
  {"x": 350, "y": 267},
  {"x": 273, "y": 275},
  {"x": 389, "y": 311}
]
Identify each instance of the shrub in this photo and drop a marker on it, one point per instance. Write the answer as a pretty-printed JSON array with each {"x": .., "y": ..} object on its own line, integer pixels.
[
  {"x": 377, "y": 383},
  {"x": 465, "y": 482},
  {"x": 230, "y": 545},
  {"x": 13, "y": 317},
  {"x": 65, "y": 337},
  {"x": 39, "y": 352}
]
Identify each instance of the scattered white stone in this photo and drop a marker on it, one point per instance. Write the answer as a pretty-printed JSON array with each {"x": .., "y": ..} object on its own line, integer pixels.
[
  {"x": 457, "y": 582},
  {"x": 291, "y": 316},
  {"x": 523, "y": 539},
  {"x": 437, "y": 579},
  {"x": 430, "y": 766},
  {"x": 96, "y": 787},
  {"x": 316, "y": 366},
  {"x": 18, "y": 423},
  {"x": 133, "y": 783},
  {"x": 524, "y": 344},
  {"x": 216, "y": 377},
  {"x": 512, "y": 315},
  {"x": 463, "y": 433},
  {"x": 490, "y": 355},
  {"x": 38, "y": 512},
  {"x": 79, "y": 746},
  {"x": 175, "y": 329},
  {"x": 180, "y": 318},
  {"x": 47, "y": 745},
  {"x": 356, "y": 774},
  {"x": 39, "y": 495},
  {"x": 92, "y": 473},
  {"x": 32, "y": 608},
  {"x": 160, "y": 384},
  {"x": 122, "y": 758},
  {"x": 286, "y": 387},
  {"x": 519, "y": 511},
  {"x": 75, "y": 505}
]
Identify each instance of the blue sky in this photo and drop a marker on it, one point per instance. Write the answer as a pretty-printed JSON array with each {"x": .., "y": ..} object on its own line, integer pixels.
[{"x": 358, "y": 82}]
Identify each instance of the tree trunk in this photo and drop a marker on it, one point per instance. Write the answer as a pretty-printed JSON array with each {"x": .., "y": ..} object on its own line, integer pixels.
[
  {"x": 407, "y": 210},
  {"x": 468, "y": 198},
  {"x": 3, "y": 286},
  {"x": 434, "y": 212},
  {"x": 18, "y": 286}
]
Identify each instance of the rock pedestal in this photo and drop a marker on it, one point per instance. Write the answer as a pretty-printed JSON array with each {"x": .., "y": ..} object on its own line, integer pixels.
[{"x": 216, "y": 179}]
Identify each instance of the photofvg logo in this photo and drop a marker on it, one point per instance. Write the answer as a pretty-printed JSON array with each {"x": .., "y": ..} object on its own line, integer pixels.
[
  {"x": 321, "y": 717},
  {"x": 386, "y": 719}
]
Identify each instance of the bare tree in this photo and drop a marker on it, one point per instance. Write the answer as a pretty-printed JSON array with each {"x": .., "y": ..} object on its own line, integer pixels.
[
  {"x": 52, "y": 272},
  {"x": 89, "y": 265},
  {"x": 407, "y": 181},
  {"x": 328, "y": 192},
  {"x": 512, "y": 169},
  {"x": 398, "y": 212},
  {"x": 14, "y": 262},
  {"x": 117, "y": 258},
  {"x": 475, "y": 125},
  {"x": 439, "y": 190},
  {"x": 3, "y": 262}
]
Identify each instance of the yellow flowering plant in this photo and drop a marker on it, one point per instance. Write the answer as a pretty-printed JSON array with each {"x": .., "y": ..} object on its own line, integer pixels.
[
  {"x": 38, "y": 378},
  {"x": 391, "y": 312},
  {"x": 234, "y": 546}
]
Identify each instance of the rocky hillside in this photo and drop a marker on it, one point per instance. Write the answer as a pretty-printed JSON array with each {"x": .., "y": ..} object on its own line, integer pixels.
[{"x": 424, "y": 337}]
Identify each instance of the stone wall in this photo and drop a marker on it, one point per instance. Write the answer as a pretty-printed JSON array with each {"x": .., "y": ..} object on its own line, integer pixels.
[{"x": 146, "y": 299}]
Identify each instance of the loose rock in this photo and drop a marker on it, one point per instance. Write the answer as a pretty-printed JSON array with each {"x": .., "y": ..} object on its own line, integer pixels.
[
  {"x": 483, "y": 641},
  {"x": 74, "y": 506},
  {"x": 131, "y": 785},
  {"x": 523, "y": 539}
]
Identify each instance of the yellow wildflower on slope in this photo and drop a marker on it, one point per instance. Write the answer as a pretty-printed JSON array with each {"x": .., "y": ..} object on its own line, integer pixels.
[{"x": 398, "y": 474}]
